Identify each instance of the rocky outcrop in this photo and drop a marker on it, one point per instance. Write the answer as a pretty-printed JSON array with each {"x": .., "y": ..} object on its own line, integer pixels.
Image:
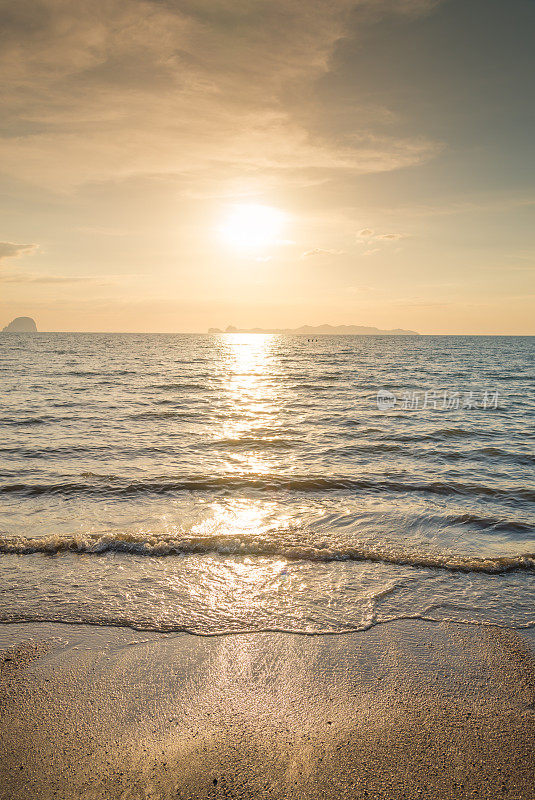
[{"x": 21, "y": 325}]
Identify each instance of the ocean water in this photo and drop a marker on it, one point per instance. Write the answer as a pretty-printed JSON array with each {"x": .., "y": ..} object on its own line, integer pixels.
[{"x": 225, "y": 483}]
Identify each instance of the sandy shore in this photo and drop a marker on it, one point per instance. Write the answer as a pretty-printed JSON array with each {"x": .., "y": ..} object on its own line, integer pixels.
[{"x": 406, "y": 710}]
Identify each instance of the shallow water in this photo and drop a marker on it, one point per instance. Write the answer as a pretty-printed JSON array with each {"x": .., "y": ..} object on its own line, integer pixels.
[{"x": 223, "y": 483}]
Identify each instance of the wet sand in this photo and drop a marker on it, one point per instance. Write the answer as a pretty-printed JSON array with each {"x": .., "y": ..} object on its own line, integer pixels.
[{"x": 406, "y": 710}]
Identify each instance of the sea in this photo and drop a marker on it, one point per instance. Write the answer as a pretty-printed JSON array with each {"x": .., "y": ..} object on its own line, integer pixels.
[{"x": 217, "y": 484}]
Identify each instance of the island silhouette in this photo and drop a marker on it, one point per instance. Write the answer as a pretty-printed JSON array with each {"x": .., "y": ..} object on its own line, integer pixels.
[
  {"x": 322, "y": 330},
  {"x": 21, "y": 325}
]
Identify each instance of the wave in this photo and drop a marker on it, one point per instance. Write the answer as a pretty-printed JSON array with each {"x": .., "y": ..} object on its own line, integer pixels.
[
  {"x": 251, "y": 442},
  {"x": 115, "y": 486},
  {"x": 440, "y": 434},
  {"x": 172, "y": 545},
  {"x": 490, "y": 523},
  {"x": 148, "y": 415},
  {"x": 173, "y": 387},
  {"x": 82, "y": 373},
  {"x": 25, "y": 421}
]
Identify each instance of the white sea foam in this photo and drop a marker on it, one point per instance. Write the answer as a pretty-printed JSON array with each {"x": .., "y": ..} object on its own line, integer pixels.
[{"x": 283, "y": 546}]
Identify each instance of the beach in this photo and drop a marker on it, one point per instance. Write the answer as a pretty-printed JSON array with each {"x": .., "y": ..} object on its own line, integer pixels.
[{"x": 408, "y": 709}]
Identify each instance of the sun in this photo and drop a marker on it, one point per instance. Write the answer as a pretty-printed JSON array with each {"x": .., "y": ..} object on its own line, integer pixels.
[{"x": 249, "y": 226}]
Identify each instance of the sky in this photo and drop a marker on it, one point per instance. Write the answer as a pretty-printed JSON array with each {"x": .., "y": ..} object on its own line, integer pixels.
[{"x": 170, "y": 166}]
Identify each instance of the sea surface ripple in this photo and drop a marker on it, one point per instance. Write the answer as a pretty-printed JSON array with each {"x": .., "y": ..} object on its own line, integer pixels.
[{"x": 223, "y": 483}]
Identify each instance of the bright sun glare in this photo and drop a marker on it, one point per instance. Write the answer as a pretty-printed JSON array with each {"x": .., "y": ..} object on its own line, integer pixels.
[{"x": 250, "y": 226}]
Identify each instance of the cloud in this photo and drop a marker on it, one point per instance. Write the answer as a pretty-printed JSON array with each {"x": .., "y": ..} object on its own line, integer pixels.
[
  {"x": 11, "y": 250},
  {"x": 30, "y": 277},
  {"x": 373, "y": 240},
  {"x": 318, "y": 251},
  {"x": 113, "y": 88}
]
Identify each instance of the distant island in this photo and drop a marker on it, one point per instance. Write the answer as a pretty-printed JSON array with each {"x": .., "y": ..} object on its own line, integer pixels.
[
  {"x": 21, "y": 325},
  {"x": 322, "y": 330}
]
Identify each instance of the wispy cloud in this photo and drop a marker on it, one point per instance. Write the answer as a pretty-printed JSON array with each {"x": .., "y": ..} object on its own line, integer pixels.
[
  {"x": 371, "y": 251},
  {"x": 12, "y": 250},
  {"x": 368, "y": 233},
  {"x": 124, "y": 87},
  {"x": 32, "y": 277},
  {"x": 319, "y": 251},
  {"x": 373, "y": 239}
]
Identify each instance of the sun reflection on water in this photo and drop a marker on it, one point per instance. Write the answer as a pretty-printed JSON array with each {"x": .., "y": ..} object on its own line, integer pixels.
[
  {"x": 252, "y": 398},
  {"x": 253, "y": 403}
]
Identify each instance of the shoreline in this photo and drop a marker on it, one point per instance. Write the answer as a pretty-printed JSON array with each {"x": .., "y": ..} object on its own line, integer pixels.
[
  {"x": 408, "y": 709},
  {"x": 527, "y": 631}
]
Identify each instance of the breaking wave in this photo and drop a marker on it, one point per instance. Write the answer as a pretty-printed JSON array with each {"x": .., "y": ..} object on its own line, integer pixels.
[{"x": 285, "y": 547}]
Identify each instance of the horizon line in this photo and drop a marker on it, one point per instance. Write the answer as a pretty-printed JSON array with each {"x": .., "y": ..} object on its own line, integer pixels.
[{"x": 258, "y": 333}]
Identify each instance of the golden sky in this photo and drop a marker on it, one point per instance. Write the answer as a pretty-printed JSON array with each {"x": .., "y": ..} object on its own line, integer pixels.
[{"x": 170, "y": 166}]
